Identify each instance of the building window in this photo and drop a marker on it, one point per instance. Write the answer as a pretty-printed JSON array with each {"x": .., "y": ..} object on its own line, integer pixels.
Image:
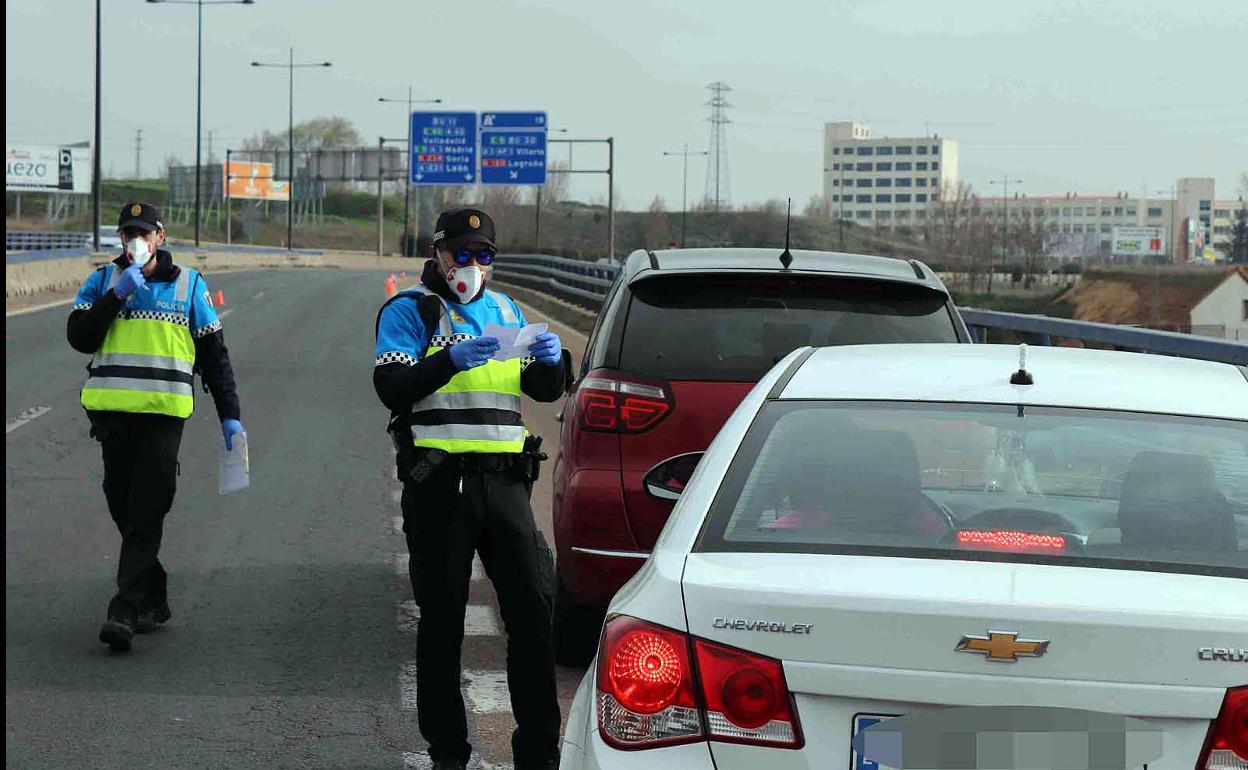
[
  {"x": 921, "y": 182},
  {"x": 1206, "y": 205},
  {"x": 903, "y": 214},
  {"x": 1107, "y": 228},
  {"x": 1131, "y": 212},
  {"x": 864, "y": 167},
  {"x": 923, "y": 150},
  {"x": 836, "y": 150},
  {"x": 883, "y": 199},
  {"x": 920, "y": 214},
  {"x": 935, "y": 166},
  {"x": 836, "y": 166},
  {"x": 920, "y": 166},
  {"x": 884, "y": 151},
  {"x": 866, "y": 150},
  {"x": 1078, "y": 228},
  {"x": 1106, "y": 212},
  {"x": 1222, "y": 213},
  {"x": 1117, "y": 211},
  {"x": 864, "y": 198},
  {"x": 1246, "y": 310},
  {"x": 1154, "y": 211},
  {"x": 864, "y": 214},
  {"x": 883, "y": 215},
  {"x": 904, "y": 150},
  {"x": 836, "y": 183},
  {"x": 903, "y": 197},
  {"x": 864, "y": 182},
  {"x": 903, "y": 165},
  {"x": 920, "y": 197},
  {"x": 883, "y": 183},
  {"x": 883, "y": 166},
  {"x": 904, "y": 181},
  {"x": 1222, "y": 230}
]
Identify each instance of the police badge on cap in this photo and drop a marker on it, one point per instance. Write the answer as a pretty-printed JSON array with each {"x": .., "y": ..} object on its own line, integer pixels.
[{"x": 457, "y": 228}]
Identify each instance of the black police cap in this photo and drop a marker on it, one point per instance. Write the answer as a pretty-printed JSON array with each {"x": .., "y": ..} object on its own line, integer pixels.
[
  {"x": 141, "y": 215},
  {"x": 457, "y": 228}
]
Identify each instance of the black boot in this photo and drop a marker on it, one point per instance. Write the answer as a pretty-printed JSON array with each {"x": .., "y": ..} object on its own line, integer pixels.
[{"x": 117, "y": 633}]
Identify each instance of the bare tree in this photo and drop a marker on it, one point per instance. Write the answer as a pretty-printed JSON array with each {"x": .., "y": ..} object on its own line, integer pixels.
[
  {"x": 816, "y": 207},
  {"x": 658, "y": 233},
  {"x": 558, "y": 182},
  {"x": 1028, "y": 232}
]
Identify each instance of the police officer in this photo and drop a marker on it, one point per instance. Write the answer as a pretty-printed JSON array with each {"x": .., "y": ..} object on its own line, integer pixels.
[
  {"x": 148, "y": 325},
  {"x": 467, "y": 465}
]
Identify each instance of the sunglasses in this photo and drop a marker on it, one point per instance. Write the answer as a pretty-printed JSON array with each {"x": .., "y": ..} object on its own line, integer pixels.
[{"x": 466, "y": 257}]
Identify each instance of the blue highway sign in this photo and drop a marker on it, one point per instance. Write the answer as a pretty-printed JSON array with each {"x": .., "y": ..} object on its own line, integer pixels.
[
  {"x": 444, "y": 148},
  {"x": 513, "y": 148}
]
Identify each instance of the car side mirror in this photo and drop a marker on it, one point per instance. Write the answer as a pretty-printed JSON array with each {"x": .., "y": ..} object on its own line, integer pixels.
[{"x": 668, "y": 479}]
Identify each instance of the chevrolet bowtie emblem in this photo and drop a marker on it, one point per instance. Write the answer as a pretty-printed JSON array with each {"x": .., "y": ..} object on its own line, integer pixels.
[{"x": 1003, "y": 646}]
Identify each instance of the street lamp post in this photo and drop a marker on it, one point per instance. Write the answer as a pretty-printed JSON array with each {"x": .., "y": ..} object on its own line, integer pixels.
[
  {"x": 1005, "y": 216},
  {"x": 199, "y": 88},
  {"x": 407, "y": 177},
  {"x": 290, "y": 206},
  {"x": 684, "y": 186},
  {"x": 95, "y": 161},
  {"x": 840, "y": 198}
]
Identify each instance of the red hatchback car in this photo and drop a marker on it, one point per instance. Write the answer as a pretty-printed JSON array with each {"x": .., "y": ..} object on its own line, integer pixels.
[{"x": 682, "y": 337}]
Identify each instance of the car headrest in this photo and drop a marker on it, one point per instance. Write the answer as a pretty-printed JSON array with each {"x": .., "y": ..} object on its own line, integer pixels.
[{"x": 1171, "y": 500}]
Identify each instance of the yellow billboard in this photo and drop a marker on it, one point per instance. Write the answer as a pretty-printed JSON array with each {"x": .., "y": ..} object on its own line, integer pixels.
[{"x": 254, "y": 181}]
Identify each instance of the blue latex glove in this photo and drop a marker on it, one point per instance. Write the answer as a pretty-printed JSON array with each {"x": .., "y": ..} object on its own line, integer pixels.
[
  {"x": 547, "y": 349},
  {"x": 229, "y": 429},
  {"x": 470, "y": 354},
  {"x": 131, "y": 281}
]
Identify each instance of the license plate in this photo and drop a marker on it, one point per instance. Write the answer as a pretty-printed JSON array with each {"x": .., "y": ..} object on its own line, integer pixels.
[{"x": 862, "y": 722}]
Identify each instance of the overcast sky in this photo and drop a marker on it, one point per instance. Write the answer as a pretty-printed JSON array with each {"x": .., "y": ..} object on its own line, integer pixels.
[{"x": 1068, "y": 95}]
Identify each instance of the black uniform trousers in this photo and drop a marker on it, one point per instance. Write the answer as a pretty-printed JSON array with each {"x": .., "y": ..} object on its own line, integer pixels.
[
  {"x": 444, "y": 526},
  {"x": 140, "y": 479}
]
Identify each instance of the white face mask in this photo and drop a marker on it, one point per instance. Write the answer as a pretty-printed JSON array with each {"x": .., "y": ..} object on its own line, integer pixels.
[
  {"x": 465, "y": 281},
  {"x": 139, "y": 250}
]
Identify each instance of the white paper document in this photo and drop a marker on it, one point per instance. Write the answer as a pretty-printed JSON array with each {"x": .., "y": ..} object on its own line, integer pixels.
[{"x": 514, "y": 341}]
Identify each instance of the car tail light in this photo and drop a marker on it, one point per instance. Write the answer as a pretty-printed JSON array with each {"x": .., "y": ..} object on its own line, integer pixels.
[
  {"x": 747, "y": 699},
  {"x": 646, "y": 695},
  {"x": 1010, "y": 540},
  {"x": 615, "y": 404},
  {"x": 1226, "y": 748}
]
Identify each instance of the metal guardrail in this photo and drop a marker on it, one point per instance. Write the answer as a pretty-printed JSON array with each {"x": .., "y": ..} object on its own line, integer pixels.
[
  {"x": 32, "y": 240},
  {"x": 587, "y": 282}
]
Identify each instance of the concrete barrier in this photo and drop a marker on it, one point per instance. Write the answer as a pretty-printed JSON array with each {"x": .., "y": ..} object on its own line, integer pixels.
[{"x": 22, "y": 279}]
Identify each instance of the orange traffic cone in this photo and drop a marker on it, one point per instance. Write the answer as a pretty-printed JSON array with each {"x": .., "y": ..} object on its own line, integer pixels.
[
  {"x": 391, "y": 289},
  {"x": 220, "y": 299},
  {"x": 403, "y": 274}
]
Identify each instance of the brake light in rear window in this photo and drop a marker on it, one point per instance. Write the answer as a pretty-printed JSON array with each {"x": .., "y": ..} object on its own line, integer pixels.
[
  {"x": 1010, "y": 540},
  {"x": 613, "y": 404}
]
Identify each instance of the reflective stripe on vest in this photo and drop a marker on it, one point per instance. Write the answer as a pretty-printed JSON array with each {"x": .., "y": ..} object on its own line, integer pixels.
[
  {"x": 146, "y": 362},
  {"x": 478, "y": 411}
]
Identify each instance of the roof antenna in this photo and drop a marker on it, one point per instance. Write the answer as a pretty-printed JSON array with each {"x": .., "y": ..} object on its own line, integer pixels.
[
  {"x": 1022, "y": 376},
  {"x": 786, "y": 258}
]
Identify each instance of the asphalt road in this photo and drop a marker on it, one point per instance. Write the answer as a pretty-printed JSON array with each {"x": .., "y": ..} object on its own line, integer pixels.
[{"x": 292, "y": 637}]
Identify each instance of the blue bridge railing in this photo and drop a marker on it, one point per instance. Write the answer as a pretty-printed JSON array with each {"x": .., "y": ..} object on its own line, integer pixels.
[{"x": 586, "y": 284}]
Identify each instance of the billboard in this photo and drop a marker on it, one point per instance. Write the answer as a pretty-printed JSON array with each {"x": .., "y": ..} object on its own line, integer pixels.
[
  {"x": 1138, "y": 242},
  {"x": 47, "y": 168},
  {"x": 253, "y": 180}
]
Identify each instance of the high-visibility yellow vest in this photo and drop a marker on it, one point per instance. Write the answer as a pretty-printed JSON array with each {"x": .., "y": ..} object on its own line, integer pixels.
[
  {"x": 147, "y": 360},
  {"x": 478, "y": 411}
]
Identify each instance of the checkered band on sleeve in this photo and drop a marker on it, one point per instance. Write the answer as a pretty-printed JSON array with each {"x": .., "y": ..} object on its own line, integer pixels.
[
  {"x": 442, "y": 341},
  {"x": 153, "y": 315},
  {"x": 524, "y": 362},
  {"x": 204, "y": 331},
  {"x": 82, "y": 306},
  {"x": 395, "y": 357}
]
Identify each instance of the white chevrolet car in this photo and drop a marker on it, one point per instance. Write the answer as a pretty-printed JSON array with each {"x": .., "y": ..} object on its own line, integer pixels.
[{"x": 1038, "y": 566}]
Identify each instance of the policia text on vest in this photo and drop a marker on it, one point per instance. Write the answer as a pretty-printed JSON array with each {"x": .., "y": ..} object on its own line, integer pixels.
[
  {"x": 148, "y": 326},
  {"x": 468, "y": 463}
]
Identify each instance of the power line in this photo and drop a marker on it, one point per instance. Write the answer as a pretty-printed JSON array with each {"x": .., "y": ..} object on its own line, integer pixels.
[{"x": 717, "y": 179}]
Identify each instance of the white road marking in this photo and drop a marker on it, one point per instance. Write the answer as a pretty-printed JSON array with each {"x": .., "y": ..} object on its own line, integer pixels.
[
  {"x": 224, "y": 313},
  {"x": 408, "y": 616},
  {"x": 479, "y": 619},
  {"x": 396, "y": 495},
  {"x": 37, "y": 308},
  {"x": 407, "y": 686},
  {"x": 413, "y": 760},
  {"x": 25, "y": 416},
  {"x": 397, "y": 523},
  {"x": 487, "y": 691},
  {"x": 258, "y": 295},
  {"x": 401, "y": 563}
]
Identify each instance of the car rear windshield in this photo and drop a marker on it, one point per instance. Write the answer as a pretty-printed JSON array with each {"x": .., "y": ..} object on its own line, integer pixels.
[
  {"x": 1077, "y": 487},
  {"x": 735, "y": 328}
]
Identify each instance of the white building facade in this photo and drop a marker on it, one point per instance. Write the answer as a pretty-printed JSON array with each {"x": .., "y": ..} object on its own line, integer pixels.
[{"x": 884, "y": 181}]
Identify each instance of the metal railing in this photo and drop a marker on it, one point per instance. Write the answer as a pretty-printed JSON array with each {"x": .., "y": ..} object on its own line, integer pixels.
[
  {"x": 586, "y": 284},
  {"x": 33, "y": 240}
]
